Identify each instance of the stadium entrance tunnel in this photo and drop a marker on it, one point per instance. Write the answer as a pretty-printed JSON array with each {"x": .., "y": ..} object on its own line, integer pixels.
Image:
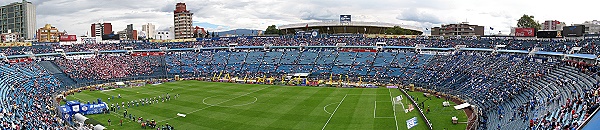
[{"x": 229, "y": 100}]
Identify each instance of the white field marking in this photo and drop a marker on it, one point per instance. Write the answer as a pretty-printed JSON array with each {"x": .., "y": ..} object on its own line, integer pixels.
[
  {"x": 333, "y": 112},
  {"x": 384, "y": 117},
  {"x": 374, "y": 109},
  {"x": 215, "y": 104},
  {"x": 363, "y": 94},
  {"x": 404, "y": 109},
  {"x": 392, "y": 99},
  {"x": 108, "y": 90},
  {"x": 203, "y": 101},
  {"x": 327, "y": 106},
  {"x": 139, "y": 93},
  {"x": 149, "y": 88}
]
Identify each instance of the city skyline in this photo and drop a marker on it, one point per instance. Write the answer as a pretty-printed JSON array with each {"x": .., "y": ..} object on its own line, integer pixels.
[{"x": 214, "y": 15}]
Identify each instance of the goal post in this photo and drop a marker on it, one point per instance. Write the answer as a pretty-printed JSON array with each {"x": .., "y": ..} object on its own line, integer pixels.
[{"x": 398, "y": 99}]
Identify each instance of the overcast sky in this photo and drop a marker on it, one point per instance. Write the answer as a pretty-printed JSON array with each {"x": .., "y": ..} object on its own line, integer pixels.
[{"x": 75, "y": 16}]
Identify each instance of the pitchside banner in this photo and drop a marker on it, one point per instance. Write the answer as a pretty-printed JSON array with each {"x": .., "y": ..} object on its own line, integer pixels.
[
  {"x": 73, "y": 107},
  {"x": 68, "y": 38},
  {"x": 524, "y": 32},
  {"x": 411, "y": 122},
  {"x": 573, "y": 31}
]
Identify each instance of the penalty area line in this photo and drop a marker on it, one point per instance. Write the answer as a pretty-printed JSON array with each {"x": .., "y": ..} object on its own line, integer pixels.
[{"x": 393, "y": 107}]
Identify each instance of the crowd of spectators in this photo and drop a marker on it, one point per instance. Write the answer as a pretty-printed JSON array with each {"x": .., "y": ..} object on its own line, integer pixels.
[
  {"x": 104, "y": 67},
  {"x": 500, "y": 85},
  {"x": 589, "y": 46},
  {"x": 26, "y": 94}
]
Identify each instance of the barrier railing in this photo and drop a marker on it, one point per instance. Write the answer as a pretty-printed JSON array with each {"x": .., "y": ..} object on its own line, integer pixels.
[{"x": 418, "y": 108}]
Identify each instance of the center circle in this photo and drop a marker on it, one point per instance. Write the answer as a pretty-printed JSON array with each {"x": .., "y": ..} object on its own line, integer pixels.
[{"x": 229, "y": 100}]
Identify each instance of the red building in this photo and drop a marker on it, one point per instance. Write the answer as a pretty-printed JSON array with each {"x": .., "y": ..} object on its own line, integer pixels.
[
  {"x": 135, "y": 35},
  {"x": 183, "y": 22},
  {"x": 199, "y": 32},
  {"x": 100, "y": 29},
  {"x": 107, "y": 28}
]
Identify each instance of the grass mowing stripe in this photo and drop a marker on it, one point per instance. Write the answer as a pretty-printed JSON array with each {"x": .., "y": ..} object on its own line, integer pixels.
[{"x": 277, "y": 107}]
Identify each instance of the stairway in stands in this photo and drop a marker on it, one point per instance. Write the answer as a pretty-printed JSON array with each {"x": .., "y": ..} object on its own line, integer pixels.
[{"x": 57, "y": 72}]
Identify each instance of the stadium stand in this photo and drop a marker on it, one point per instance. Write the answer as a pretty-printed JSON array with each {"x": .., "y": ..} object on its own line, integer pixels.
[
  {"x": 588, "y": 46},
  {"x": 26, "y": 94}
]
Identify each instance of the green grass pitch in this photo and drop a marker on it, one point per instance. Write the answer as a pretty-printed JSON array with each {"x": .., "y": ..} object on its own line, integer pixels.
[{"x": 211, "y": 105}]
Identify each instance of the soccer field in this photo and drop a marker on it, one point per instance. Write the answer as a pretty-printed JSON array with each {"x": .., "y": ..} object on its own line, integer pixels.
[{"x": 209, "y": 105}]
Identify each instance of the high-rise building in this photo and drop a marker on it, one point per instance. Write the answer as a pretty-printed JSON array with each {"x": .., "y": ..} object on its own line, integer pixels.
[
  {"x": 18, "y": 17},
  {"x": 553, "y": 25},
  {"x": 48, "y": 34},
  {"x": 183, "y": 22},
  {"x": 149, "y": 29},
  {"x": 107, "y": 28},
  {"x": 134, "y": 35},
  {"x": 591, "y": 27},
  {"x": 128, "y": 33},
  {"x": 101, "y": 29},
  {"x": 463, "y": 28}
]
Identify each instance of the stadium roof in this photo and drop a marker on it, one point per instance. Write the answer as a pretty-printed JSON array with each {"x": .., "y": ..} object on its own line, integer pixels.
[{"x": 353, "y": 23}]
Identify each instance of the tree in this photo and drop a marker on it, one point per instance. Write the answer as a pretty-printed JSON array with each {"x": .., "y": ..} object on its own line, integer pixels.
[
  {"x": 207, "y": 33},
  {"x": 396, "y": 30},
  {"x": 527, "y": 21},
  {"x": 212, "y": 35},
  {"x": 272, "y": 30}
]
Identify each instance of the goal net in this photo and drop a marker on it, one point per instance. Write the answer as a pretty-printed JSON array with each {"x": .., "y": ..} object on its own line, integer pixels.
[{"x": 398, "y": 99}]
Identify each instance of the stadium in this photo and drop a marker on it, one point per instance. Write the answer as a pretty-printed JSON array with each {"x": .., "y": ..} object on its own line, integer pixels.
[
  {"x": 311, "y": 83},
  {"x": 349, "y": 27},
  {"x": 319, "y": 75}
]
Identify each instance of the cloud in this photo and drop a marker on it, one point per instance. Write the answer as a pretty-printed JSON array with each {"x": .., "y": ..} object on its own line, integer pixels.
[
  {"x": 417, "y": 15},
  {"x": 320, "y": 15},
  {"x": 75, "y": 16}
]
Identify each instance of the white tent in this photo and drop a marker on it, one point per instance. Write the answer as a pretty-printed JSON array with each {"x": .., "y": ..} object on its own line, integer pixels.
[
  {"x": 119, "y": 83},
  {"x": 79, "y": 118},
  {"x": 461, "y": 106},
  {"x": 99, "y": 127}
]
